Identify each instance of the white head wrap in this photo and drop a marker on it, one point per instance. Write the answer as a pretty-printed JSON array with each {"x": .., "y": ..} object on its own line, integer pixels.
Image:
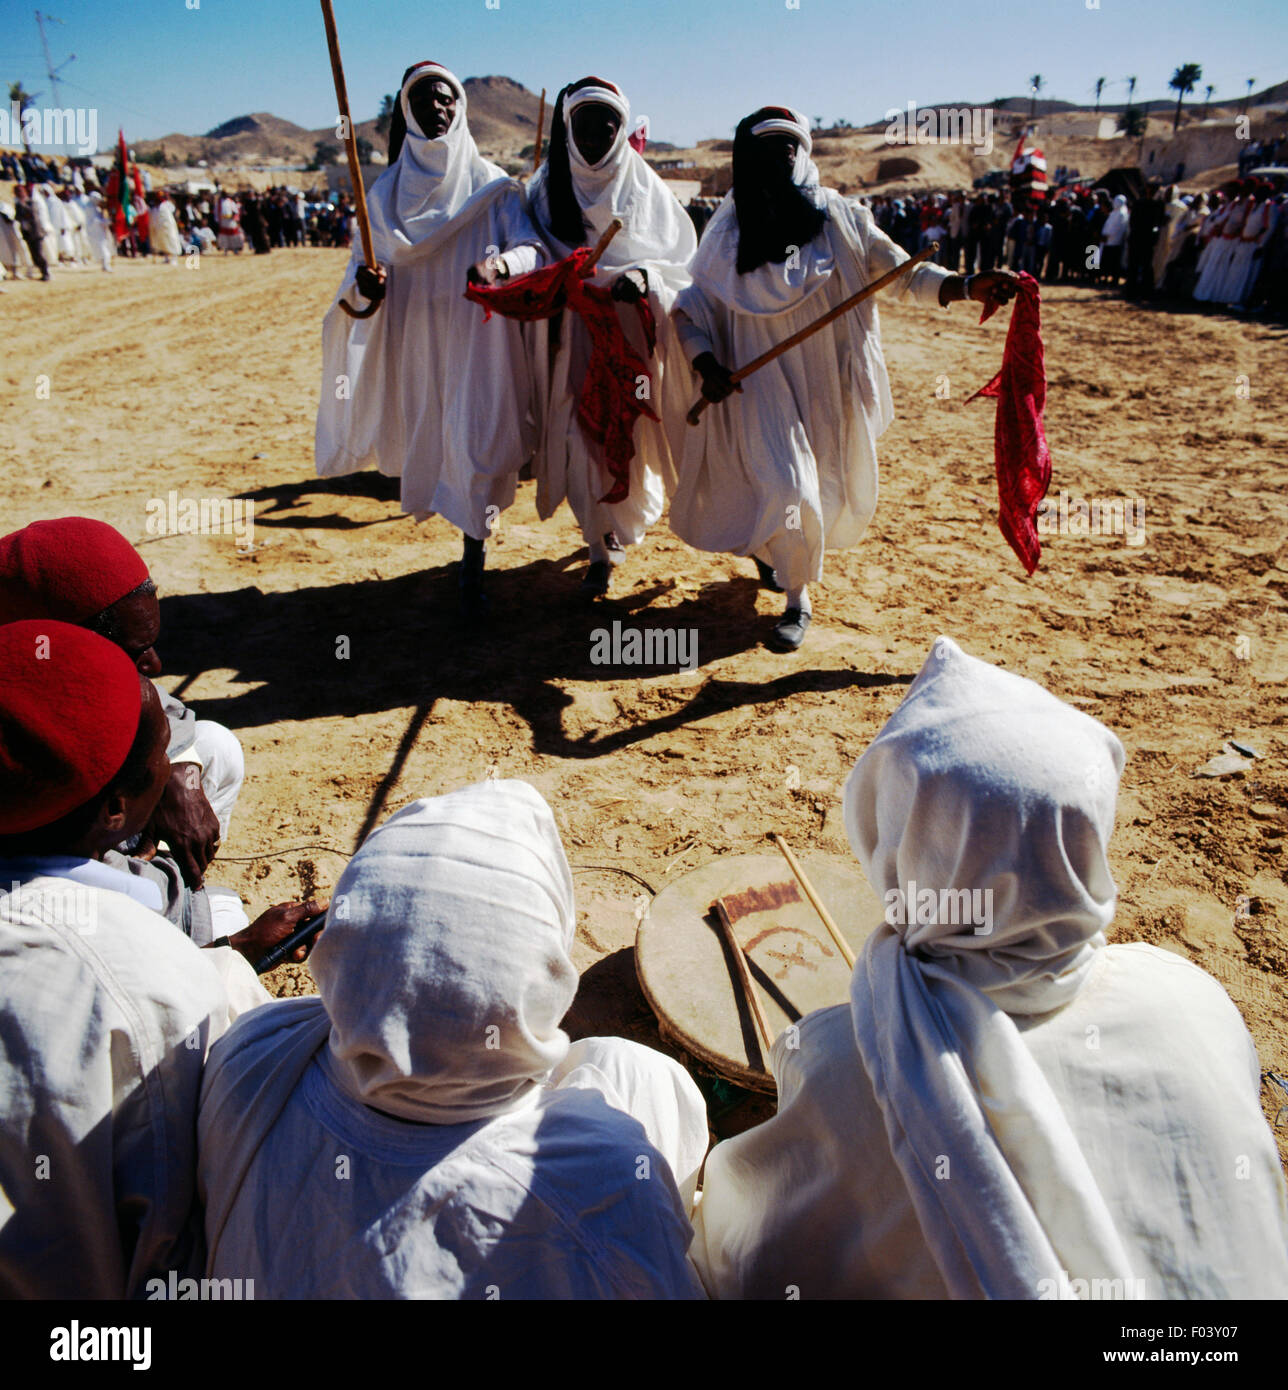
[
  {"x": 446, "y": 972},
  {"x": 431, "y": 180},
  {"x": 984, "y": 783},
  {"x": 656, "y": 230}
]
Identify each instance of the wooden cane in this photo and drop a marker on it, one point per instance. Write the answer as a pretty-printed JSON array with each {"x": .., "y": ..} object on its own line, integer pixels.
[
  {"x": 822, "y": 321},
  {"x": 842, "y": 945},
  {"x": 541, "y": 125},
  {"x": 355, "y": 169},
  {"x": 744, "y": 976},
  {"x": 601, "y": 246}
]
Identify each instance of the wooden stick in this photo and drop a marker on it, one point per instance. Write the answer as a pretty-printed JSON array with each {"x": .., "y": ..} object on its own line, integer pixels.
[
  {"x": 748, "y": 988},
  {"x": 695, "y": 414},
  {"x": 541, "y": 125},
  {"x": 842, "y": 944},
  {"x": 351, "y": 145},
  {"x": 601, "y": 245}
]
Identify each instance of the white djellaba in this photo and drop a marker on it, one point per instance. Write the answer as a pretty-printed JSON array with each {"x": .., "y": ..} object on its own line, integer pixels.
[
  {"x": 658, "y": 238},
  {"x": 788, "y": 468},
  {"x": 1012, "y": 1109},
  {"x": 425, "y": 389},
  {"x": 423, "y": 1128}
]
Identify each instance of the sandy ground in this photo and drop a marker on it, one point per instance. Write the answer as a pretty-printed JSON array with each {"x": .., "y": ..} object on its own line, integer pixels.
[{"x": 204, "y": 382}]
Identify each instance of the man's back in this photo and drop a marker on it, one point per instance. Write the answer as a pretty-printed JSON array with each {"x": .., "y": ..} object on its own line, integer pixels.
[
  {"x": 106, "y": 1013},
  {"x": 1157, "y": 1076}
]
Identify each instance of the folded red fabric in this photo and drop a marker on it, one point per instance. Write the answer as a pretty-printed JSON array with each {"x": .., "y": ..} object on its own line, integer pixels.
[
  {"x": 609, "y": 400},
  {"x": 1020, "y": 450}
]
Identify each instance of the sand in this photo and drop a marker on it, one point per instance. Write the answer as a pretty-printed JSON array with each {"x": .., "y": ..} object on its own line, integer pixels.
[{"x": 204, "y": 383}]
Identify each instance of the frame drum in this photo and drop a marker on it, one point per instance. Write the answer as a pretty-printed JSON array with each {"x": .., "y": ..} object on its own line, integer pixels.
[{"x": 691, "y": 982}]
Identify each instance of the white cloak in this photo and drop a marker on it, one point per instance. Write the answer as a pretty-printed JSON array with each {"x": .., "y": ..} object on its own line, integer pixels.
[
  {"x": 657, "y": 237},
  {"x": 163, "y": 230},
  {"x": 1007, "y": 1108},
  {"x": 425, "y": 389},
  {"x": 106, "y": 1015},
  {"x": 442, "y": 1139},
  {"x": 788, "y": 467}
]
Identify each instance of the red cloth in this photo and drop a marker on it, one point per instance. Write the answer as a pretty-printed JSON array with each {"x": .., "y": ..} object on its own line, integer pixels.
[
  {"x": 608, "y": 403},
  {"x": 69, "y": 710},
  {"x": 1019, "y": 442},
  {"x": 70, "y": 569}
]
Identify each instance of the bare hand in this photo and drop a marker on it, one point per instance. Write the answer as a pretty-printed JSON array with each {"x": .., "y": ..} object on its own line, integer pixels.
[
  {"x": 275, "y": 925},
  {"x": 184, "y": 820},
  {"x": 372, "y": 283},
  {"x": 486, "y": 272},
  {"x": 630, "y": 287},
  {"x": 994, "y": 287},
  {"x": 716, "y": 383}
]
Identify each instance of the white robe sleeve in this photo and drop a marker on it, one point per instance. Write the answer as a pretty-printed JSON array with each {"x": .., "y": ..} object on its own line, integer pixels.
[{"x": 922, "y": 285}]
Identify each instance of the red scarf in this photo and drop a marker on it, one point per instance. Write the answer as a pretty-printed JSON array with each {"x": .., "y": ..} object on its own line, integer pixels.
[
  {"x": 608, "y": 403},
  {"x": 1019, "y": 442}
]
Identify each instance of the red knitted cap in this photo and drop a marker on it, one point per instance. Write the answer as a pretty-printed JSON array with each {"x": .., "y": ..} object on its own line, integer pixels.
[
  {"x": 70, "y": 702},
  {"x": 70, "y": 569}
]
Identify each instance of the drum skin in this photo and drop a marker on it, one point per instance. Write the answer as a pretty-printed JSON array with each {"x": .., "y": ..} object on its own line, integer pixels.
[{"x": 691, "y": 984}]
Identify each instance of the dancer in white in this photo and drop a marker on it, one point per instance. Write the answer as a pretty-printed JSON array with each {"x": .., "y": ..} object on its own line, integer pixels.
[
  {"x": 425, "y": 389},
  {"x": 592, "y": 174}
]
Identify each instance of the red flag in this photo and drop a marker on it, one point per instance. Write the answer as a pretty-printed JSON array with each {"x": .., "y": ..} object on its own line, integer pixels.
[
  {"x": 1021, "y": 455},
  {"x": 608, "y": 403}
]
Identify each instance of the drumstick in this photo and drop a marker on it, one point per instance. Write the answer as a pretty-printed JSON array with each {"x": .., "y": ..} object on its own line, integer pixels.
[
  {"x": 749, "y": 989},
  {"x": 695, "y": 413},
  {"x": 842, "y": 944}
]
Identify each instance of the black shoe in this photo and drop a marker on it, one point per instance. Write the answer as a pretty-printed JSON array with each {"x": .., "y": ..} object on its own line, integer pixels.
[
  {"x": 595, "y": 584},
  {"x": 789, "y": 632},
  {"x": 473, "y": 599},
  {"x": 767, "y": 577}
]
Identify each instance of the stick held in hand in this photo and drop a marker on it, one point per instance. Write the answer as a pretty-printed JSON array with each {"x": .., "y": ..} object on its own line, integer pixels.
[{"x": 695, "y": 414}]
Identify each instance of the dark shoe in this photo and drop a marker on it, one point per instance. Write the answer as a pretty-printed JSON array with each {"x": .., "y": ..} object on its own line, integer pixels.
[
  {"x": 595, "y": 584},
  {"x": 789, "y": 632},
  {"x": 767, "y": 578},
  {"x": 473, "y": 599}
]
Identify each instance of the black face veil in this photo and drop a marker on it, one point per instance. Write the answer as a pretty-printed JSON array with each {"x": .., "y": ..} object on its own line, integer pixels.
[{"x": 774, "y": 214}]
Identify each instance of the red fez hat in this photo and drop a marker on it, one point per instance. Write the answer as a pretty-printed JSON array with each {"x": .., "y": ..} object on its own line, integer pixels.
[
  {"x": 70, "y": 702},
  {"x": 70, "y": 569}
]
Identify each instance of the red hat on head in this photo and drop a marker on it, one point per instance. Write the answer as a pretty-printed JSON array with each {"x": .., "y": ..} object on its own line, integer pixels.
[
  {"x": 70, "y": 702},
  {"x": 70, "y": 569}
]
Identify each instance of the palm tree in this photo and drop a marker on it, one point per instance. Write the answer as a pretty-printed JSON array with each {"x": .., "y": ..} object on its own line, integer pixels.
[
  {"x": 1183, "y": 81},
  {"x": 1100, "y": 87},
  {"x": 19, "y": 96},
  {"x": 1251, "y": 81},
  {"x": 1035, "y": 86},
  {"x": 1207, "y": 97},
  {"x": 1131, "y": 89},
  {"x": 386, "y": 114}
]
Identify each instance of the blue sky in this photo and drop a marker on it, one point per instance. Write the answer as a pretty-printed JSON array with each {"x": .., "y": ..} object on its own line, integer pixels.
[{"x": 694, "y": 66}]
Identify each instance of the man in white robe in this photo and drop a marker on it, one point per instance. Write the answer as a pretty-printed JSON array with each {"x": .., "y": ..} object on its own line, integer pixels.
[
  {"x": 228, "y": 214},
  {"x": 163, "y": 230},
  {"x": 592, "y": 174},
  {"x": 98, "y": 231},
  {"x": 788, "y": 467},
  {"x": 1007, "y": 1107},
  {"x": 106, "y": 1012},
  {"x": 423, "y": 1129},
  {"x": 425, "y": 389}
]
